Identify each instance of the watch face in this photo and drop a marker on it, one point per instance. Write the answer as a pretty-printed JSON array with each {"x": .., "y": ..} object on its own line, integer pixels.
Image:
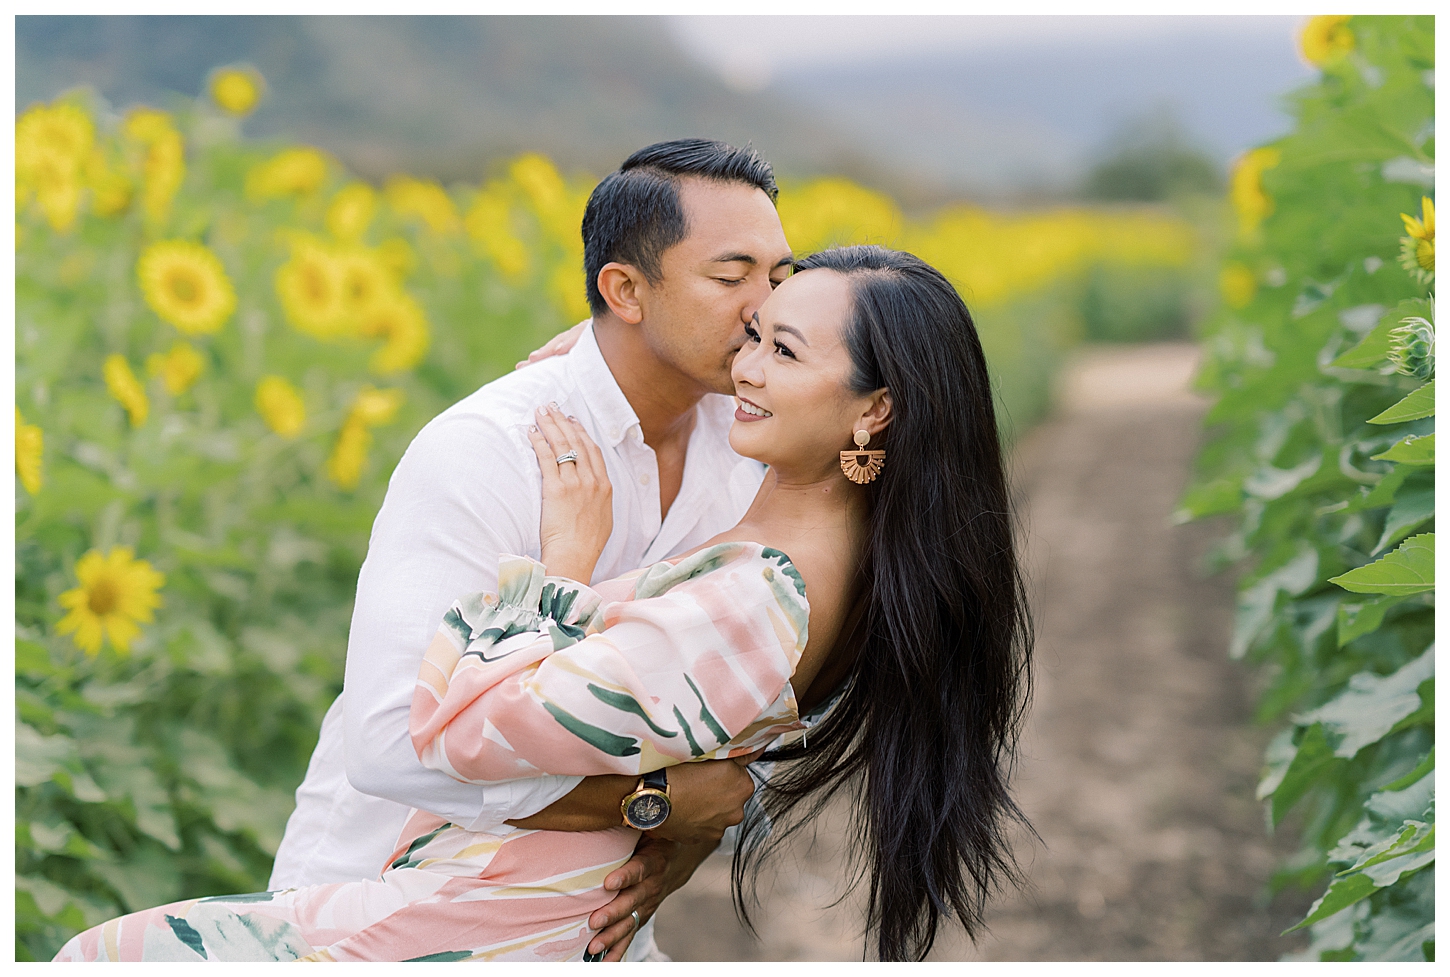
[{"x": 648, "y": 810}]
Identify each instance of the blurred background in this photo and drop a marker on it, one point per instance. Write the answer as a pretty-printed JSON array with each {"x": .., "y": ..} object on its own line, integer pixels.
[{"x": 256, "y": 254}]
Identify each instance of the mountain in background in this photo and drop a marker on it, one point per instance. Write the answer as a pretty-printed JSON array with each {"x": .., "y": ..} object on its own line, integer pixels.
[
  {"x": 442, "y": 96},
  {"x": 452, "y": 96}
]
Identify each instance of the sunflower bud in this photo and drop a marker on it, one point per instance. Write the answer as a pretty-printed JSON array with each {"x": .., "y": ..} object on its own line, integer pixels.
[{"x": 1412, "y": 348}]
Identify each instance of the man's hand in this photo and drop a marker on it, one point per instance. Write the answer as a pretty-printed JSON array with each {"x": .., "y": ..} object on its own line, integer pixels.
[
  {"x": 557, "y": 346},
  {"x": 658, "y": 868}
]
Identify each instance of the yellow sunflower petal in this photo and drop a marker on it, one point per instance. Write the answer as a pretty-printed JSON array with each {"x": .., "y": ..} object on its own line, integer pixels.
[{"x": 185, "y": 284}]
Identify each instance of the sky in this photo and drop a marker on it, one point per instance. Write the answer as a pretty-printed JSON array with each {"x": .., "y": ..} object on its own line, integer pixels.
[{"x": 749, "y": 50}]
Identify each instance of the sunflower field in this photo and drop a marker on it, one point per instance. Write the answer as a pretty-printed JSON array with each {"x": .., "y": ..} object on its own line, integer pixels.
[
  {"x": 1322, "y": 447},
  {"x": 222, "y": 348}
]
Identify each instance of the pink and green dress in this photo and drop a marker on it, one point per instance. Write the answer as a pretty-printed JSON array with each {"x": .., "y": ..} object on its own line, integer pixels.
[{"x": 677, "y": 662}]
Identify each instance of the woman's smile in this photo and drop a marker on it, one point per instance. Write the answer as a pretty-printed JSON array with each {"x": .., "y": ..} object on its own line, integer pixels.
[{"x": 746, "y": 411}]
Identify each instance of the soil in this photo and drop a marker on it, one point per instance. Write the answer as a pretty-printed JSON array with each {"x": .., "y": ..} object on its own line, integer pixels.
[{"x": 1141, "y": 754}]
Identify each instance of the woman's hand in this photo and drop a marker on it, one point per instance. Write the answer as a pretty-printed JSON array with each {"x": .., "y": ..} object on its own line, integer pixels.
[
  {"x": 578, "y": 513},
  {"x": 557, "y": 346}
]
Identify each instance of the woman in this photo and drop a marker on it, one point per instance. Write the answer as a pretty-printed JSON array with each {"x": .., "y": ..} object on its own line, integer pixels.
[{"x": 863, "y": 386}]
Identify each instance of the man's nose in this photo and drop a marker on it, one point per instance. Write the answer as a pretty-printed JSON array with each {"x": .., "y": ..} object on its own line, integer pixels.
[{"x": 759, "y": 292}]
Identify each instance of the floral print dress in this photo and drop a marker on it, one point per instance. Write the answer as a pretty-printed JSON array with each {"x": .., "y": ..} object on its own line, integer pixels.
[{"x": 680, "y": 661}]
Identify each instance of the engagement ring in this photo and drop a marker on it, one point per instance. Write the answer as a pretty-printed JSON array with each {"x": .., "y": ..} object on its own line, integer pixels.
[{"x": 566, "y": 457}]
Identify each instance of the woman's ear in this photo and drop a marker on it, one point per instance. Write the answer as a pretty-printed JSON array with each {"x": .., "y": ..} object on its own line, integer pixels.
[
  {"x": 875, "y": 418},
  {"x": 620, "y": 285}
]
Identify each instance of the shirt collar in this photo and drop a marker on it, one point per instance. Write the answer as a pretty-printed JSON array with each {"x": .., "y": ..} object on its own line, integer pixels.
[{"x": 596, "y": 384}]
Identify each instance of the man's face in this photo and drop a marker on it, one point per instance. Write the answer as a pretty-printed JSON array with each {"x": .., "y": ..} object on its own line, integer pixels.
[{"x": 712, "y": 282}]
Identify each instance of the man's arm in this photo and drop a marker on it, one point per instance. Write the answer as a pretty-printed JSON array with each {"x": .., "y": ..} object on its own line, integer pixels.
[
  {"x": 463, "y": 493},
  {"x": 705, "y": 799}
]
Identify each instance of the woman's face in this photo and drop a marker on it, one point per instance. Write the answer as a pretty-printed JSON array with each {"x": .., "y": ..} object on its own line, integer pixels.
[{"x": 796, "y": 412}]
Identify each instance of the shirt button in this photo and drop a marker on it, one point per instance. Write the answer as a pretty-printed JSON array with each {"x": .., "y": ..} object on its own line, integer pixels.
[
  {"x": 644, "y": 480},
  {"x": 614, "y": 433}
]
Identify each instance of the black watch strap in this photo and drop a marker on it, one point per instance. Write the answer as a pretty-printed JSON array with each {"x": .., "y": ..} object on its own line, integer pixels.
[{"x": 655, "y": 779}]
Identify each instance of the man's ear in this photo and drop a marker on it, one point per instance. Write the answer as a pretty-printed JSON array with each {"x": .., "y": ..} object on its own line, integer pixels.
[
  {"x": 621, "y": 285},
  {"x": 878, "y": 415}
]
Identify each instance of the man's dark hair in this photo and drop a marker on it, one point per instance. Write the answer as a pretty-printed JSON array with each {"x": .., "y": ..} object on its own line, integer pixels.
[{"x": 634, "y": 215}]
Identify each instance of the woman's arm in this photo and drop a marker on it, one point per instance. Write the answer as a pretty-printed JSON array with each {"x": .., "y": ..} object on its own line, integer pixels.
[{"x": 696, "y": 667}]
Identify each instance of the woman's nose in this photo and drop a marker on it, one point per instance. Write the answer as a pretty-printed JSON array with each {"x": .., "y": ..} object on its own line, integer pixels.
[{"x": 746, "y": 368}]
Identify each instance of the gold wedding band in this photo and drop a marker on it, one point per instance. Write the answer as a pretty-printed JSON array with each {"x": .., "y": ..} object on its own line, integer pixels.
[{"x": 567, "y": 457}]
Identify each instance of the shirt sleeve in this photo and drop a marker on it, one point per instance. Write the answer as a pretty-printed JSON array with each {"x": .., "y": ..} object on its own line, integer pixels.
[
  {"x": 696, "y": 666},
  {"x": 463, "y": 493}
]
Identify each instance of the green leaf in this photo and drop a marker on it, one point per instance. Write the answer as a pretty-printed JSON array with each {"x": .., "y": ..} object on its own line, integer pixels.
[
  {"x": 50, "y": 897},
  {"x": 1385, "y": 489},
  {"x": 1312, "y": 759},
  {"x": 1410, "y": 450},
  {"x": 1383, "y": 865},
  {"x": 1412, "y": 509},
  {"x": 1371, "y": 706},
  {"x": 1256, "y": 603},
  {"x": 1270, "y": 483},
  {"x": 1410, "y": 569},
  {"x": 1415, "y": 775},
  {"x": 1360, "y": 619},
  {"x": 1420, "y": 403}
]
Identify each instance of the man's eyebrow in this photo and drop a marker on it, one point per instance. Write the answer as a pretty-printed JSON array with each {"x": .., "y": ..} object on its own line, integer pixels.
[
  {"x": 734, "y": 256},
  {"x": 787, "y": 260}
]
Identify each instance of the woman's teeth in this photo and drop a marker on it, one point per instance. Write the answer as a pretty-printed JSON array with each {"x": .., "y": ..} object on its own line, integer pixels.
[{"x": 750, "y": 408}]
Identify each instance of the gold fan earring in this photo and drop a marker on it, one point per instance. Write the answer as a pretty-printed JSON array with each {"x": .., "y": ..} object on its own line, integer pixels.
[{"x": 862, "y": 466}]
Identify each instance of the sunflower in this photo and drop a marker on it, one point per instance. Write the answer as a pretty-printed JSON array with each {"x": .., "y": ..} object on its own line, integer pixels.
[
  {"x": 163, "y": 163},
  {"x": 1326, "y": 40},
  {"x": 186, "y": 285},
  {"x": 124, "y": 386},
  {"x": 351, "y": 211},
  {"x": 58, "y": 131},
  {"x": 310, "y": 287},
  {"x": 373, "y": 407},
  {"x": 1237, "y": 285},
  {"x": 424, "y": 200},
  {"x": 179, "y": 368},
  {"x": 52, "y": 145},
  {"x": 367, "y": 281},
  {"x": 281, "y": 406},
  {"x": 110, "y": 190},
  {"x": 1417, "y": 248},
  {"x": 489, "y": 224},
  {"x": 404, "y": 330},
  {"x": 1246, "y": 187},
  {"x": 345, "y": 464},
  {"x": 58, "y": 192},
  {"x": 237, "y": 90},
  {"x": 29, "y": 447},
  {"x": 398, "y": 255},
  {"x": 116, "y": 592},
  {"x": 300, "y": 170}
]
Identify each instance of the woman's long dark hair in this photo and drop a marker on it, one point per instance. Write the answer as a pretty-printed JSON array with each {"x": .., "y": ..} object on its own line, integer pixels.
[{"x": 930, "y": 717}]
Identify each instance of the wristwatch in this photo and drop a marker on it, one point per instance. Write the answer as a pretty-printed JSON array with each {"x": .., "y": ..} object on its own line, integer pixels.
[{"x": 649, "y": 805}]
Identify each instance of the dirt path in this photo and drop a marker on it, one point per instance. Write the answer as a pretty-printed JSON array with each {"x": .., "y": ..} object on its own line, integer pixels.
[{"x": 1140, "y": 756}]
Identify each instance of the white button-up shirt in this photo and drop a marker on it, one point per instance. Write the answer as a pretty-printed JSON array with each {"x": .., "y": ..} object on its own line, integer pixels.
[{"x": 467, "y": 489}]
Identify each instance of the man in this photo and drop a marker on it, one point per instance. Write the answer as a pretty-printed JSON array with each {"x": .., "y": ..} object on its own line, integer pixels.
[{"x": 682, "y": 244}]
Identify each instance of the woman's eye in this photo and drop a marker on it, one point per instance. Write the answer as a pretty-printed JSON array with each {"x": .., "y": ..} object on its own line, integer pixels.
[
  {"x": 752, "y": 335},
  {"x": 784, "y": 350}
]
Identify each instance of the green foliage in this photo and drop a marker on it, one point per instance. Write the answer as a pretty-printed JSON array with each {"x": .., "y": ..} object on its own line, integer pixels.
[
  {"x": 168, "y": 771},
  {"x": 1322, "y": 445}
]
